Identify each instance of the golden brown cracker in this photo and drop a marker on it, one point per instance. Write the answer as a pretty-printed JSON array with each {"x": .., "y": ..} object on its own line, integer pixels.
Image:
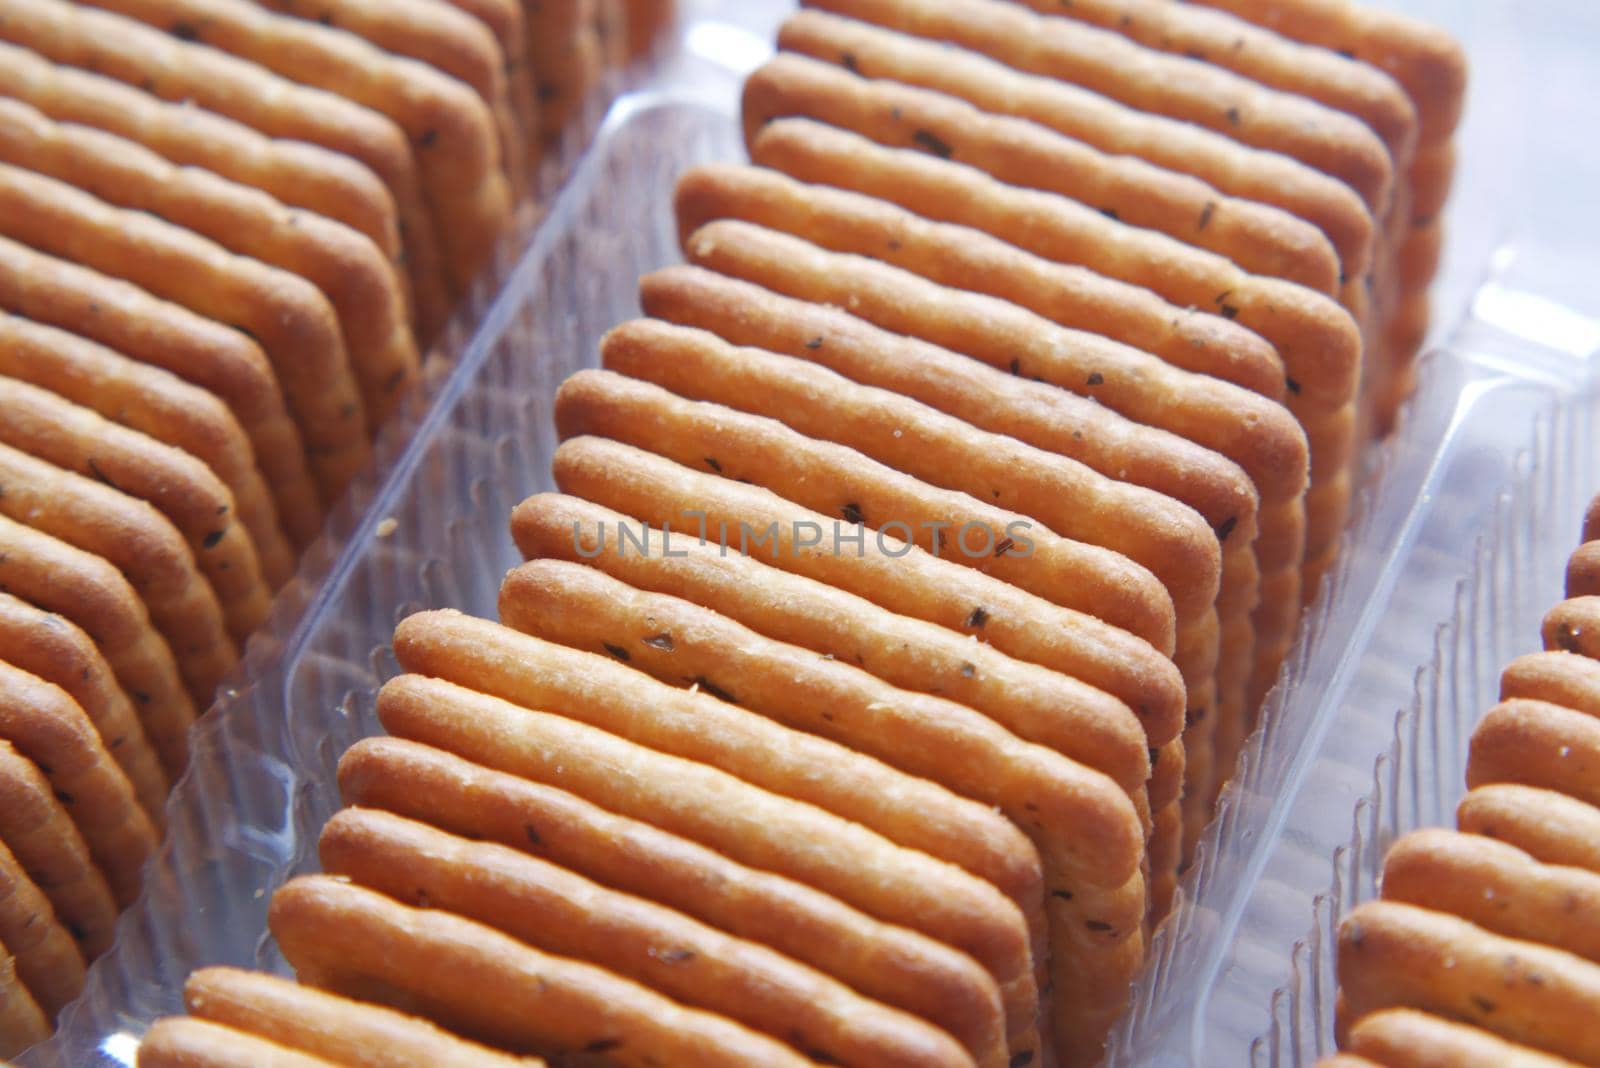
[
  {"x": 744, "y": 822},
  {"x": 156, "y": 403},
  {"x": 1498, "y": 887},
  {"x": 1317, "y": 341},
  {"x": 1399, "y": 956},
  {"x": 58, "y": 651},
  {"x": 146, "y": 329},
  {"x": 1008, "y": 483},
  {"x": 439, "y": 966},
  {"x": 287, "y": 316},
  {"x": 1548, "y": 826},
  {"x": 296, "y": 172},
  {"x": 535, "y": 674},
  {"x": 48, "y": 961},
  {"x": 1259, "y": 238},
  {"x": 1339, "y": 82},
  {"x": 22, "y": 1022},
  {"x": 509, "y": 28},
  {"x": 182, "y": 72},
  {"x": 184, "y": 1042},
  {"x": 1043, "y": 706},
  {"x": 451, "y": 132},
  {"x": 1559, "y": 678},
  {"x": 1179, "y": 87},
  {"x": 47, "y": 726},
  {"x": 1424, "y": 59},
  {"x": 891, "y": 964},
  {"x": 1235, "y": 169},
  {"x": 1074, "y": 297},
  {"x": 180, "y": 487},
  {"x": 565, "y": 56},
  {"x": 356, "y": 1034},
  {"x": 1537, "y": 744},
  {"x": 90, "y": 592},
  {"x": 1573, "y": 626},
  {"x": 443, "y": 37},
  {"x": 1583, "y": 570},
  {"x": 36, "y": 828},
  {"x": 1591, "y": 521},
  {"x": 559, "y": 912},
  {"x": 348, "y": 269},
  {"x": 1405, "y": 1038},
  {"x": 900, "y": 577},
  {"x": 918, "y": 733},
  {"x": 141, "y": 543}
]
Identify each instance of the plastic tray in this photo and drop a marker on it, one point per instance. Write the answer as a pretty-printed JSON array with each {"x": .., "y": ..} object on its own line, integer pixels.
[{"x": 427, "y": 526}]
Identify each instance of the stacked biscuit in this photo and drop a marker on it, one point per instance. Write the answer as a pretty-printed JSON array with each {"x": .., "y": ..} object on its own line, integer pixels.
[
  {"x": 1485, "y": 947},
  {"x": 915, "y": 569},
  {"x": 225, "y": 237}
]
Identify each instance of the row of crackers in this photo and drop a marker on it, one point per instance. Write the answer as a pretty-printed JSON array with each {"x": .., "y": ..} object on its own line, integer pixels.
[
  {"x": 210, "y": 300},
  {"x": 1484, "y": 949},
  {"x": 891, "y": 330}
]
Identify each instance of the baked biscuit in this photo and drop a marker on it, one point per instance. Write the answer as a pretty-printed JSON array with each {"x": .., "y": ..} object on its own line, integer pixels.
[
  {"x": 48, "y": 961},
  {"x": 1548, "y": 826},
  {"x": 890, "y": 964},
  {"x": 58, "y": 651},
  {"x": 22, "y": 1023},
  {"x": 556, "y": 911},
  {"x": 1560, "y": 678},
  {"x": 1537, "y": 744},
  {"x": 509, "y": 28},
  {"x": 89, "y": 591},
  {"x": 361, "y": 944},
  {"x": 184, "y": 1042},
  {"x": 1573, "y": 626},
  {"x": 1405, "y": 1038},
  {"x": 564, "y": 54}
]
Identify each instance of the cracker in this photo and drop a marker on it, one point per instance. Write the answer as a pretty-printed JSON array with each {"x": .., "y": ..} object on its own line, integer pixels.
[
  {"x": 536, "y": 674},
  {"x": 1537, "y": 744},
  {"x": 1323, "y": 75},
  {"x": 1591, "y": 521},
  {"x": 355, "y": 1034},
  {"x": 1133, "y": 384},
  {"x": 1559, "y": 678},
  {"x": 181, "y": 489},
  {"x": 508, "y": 26},
  {"x": 1399, "y": 956},
  {"x": 1405, "y": 1038},
  {"x": 1548, "y": 826},
  {"x": 141, "y": 543},
  {"x": 22, "y": 1023},
  {"x": 1583, "y": 571},
  {"x": 895, "y": 575},
  {"x": 48, "y": 962},
  {"x": 1574, "y": 626},
  {"x": 744, "y": 822},
  {"x": 182, "y": 1042},
  {"x": 439, "y": 966},
  {"x": 1179, "y": 87},
  {"x": 891, "y": 964},
  {"x": 36, "y": 828},
  {"x": 1423, "y": 58},
  {"x": 1498, "y": 887},
  {"x": 1095, "y": 826},
  {"x": 556, "y": 911},
  {"x": 58, "y": 651},
  {"x": 347, "y": 268},
  {"x": 287, "y": 316},
  {"x": 564, "y": 54},
  {"x": 1233, "y": 168},
  {"x": 451, "y": 132},
  {"x": 1010, "y": 484},
  {"x": 1318, "y": 342},
  {"x": 90, "y": 592},
  {"x": 156, "y": 403},
  {"x": 47, "y": 726},
  {"x": 207, "y": 354},
  {"x": 449, "y": 40},
  {"x": 646, "y": 20},
  {"x": 174, "y": 70},
  {"x": 298, "y": 173},
  {"x": 1042, "y": 706},
  {"x": 1259, "y": 238},
  {"x": 1038, "y": 414},
  {"x": 1072, "y": 296}
]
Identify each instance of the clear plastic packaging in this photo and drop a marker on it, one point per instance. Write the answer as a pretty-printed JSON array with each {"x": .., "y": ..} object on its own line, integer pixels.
[{"x": 1460, "y": 529}]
